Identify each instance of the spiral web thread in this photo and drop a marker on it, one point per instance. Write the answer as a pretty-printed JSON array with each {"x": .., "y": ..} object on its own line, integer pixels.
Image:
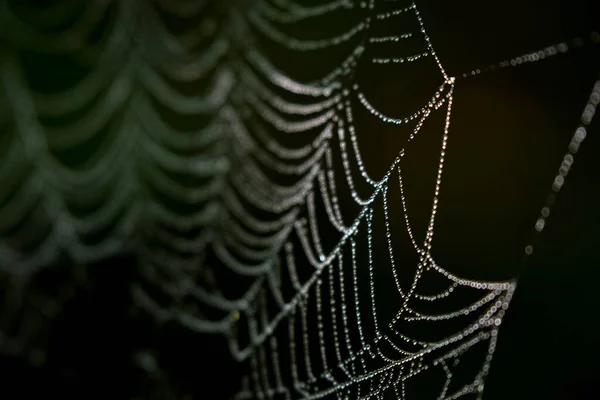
[{"x": 173, "y": 195}]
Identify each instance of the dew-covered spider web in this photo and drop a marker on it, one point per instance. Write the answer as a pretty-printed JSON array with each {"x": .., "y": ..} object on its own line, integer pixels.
[{"x": 219, "y": 143}]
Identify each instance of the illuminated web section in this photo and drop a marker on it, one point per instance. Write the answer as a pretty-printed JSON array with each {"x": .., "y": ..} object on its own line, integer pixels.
[
  {"x": 322, "y": 357},
  {"x": 316, "y": 340},
  {"x": 240, "y": 195}
]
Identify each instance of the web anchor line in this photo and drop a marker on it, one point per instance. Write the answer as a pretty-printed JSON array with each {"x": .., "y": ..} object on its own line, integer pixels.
[{"x": 546, "y": 53}]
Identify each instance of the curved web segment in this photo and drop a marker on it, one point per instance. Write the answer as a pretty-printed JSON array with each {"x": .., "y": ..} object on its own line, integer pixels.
[{"x": 237, "y": 193}]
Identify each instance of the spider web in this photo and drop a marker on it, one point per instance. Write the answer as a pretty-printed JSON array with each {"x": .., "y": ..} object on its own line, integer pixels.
[{"x": 242, "y": 189}]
